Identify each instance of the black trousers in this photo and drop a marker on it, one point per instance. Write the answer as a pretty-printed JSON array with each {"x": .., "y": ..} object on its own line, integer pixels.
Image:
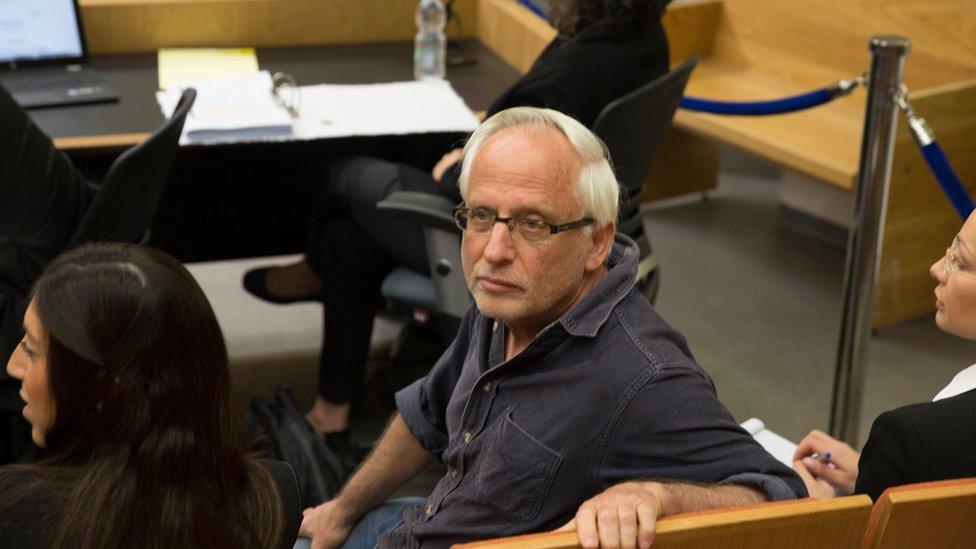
[
  {"x": 42, "y": 200},
  {"x": 353, "y": 247}
]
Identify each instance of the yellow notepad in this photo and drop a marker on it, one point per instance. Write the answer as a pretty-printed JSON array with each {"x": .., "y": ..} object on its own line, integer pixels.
[{"x": 182, "y": 66}]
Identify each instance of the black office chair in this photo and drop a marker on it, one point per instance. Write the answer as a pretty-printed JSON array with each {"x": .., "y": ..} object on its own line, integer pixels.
[
  {"x": 124, "y": 206},
  {"x": 632, "y": 127}
]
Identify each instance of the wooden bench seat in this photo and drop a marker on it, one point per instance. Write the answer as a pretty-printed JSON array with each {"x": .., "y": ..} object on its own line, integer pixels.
[
  {"x": 826, "y": 149},
  {"x": 938, "y": 514},
  {"x": 801, "y": 524},
  {"x": 930, "y": 514}
]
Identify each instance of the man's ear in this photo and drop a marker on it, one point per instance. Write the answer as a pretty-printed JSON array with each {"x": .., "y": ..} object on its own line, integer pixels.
[{"x": 602, "y": 240}]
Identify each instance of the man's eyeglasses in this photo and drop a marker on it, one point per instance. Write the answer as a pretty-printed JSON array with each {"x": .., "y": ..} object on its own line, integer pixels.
[{"x": 530, "y": 228}]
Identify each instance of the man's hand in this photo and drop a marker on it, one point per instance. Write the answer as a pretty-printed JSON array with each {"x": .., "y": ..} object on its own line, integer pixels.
[
  {"x": 325, "y": 525},
  {"x": 824, "y": 458},
  {"x": 444, "y": 163},
  {"x": 622, "y": 516}
]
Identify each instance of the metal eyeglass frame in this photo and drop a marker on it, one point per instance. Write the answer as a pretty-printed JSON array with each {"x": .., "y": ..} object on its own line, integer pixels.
[{"x": 461, "y": 219}]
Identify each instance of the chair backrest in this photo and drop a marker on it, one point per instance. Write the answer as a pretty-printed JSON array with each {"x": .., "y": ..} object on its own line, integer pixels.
[
  {"x": 123, "y": 207},
  {"x": 931, "y": 514},
  {"x": 633, "y": 126},
  {"x": 802, "y": 524}
]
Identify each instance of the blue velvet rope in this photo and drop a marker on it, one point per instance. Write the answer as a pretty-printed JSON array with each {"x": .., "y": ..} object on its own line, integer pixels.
[
  {"x": 951, "y": 185},
  {"x": 759, "y": 108},
  {"x": 533, "y": 8}
]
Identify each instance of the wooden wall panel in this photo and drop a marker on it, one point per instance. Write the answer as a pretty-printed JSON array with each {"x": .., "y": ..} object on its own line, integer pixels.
[
  {"x": 685, "y": 164},
  {"x": 131, "y": 26},
  {"x": 920, "y": 220},
  {"x": 513, "y": 32},
  {"x": 833, "y": 34}
]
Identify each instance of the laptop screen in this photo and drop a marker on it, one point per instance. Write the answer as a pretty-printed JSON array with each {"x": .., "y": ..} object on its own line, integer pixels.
[{"x": 40, "y": 32}]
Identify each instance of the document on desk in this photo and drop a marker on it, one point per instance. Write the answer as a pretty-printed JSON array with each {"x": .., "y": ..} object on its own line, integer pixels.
[
  {"x": 182, "y": 66},
  {"x": 779, "y": 447},
  {"x": 398, "y": 108},
  {"x": 243, "y": 109},
  {"x": 230, "y": 110}
]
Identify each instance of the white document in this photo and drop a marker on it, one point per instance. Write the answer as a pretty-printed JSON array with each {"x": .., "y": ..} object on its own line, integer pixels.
[
  {"x": 398, "y": 108},
  {"x": 231, "y": 109},
  {"x": 777, "y": 446},
  {"x": 243, "y": 109}
]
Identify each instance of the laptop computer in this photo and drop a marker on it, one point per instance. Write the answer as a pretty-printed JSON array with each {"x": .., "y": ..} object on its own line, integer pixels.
[{"x": 43, "y": 55}]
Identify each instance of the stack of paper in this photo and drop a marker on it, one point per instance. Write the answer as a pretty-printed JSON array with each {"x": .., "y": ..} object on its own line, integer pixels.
[
  {"x": 180, "y": 67},
  {"x": 396, "y": 108},
  {"x": 231, "y": 109},
  {"x": 780, "y": 448}
]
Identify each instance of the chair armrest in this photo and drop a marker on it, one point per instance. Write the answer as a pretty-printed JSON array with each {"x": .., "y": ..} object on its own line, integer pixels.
[{"x": 425, "y": 209}]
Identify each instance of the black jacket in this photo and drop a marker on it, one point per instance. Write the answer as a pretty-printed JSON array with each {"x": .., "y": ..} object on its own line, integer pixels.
[
  {"x": 920, "y": 443},
  {"x": 578, "y": 76}
]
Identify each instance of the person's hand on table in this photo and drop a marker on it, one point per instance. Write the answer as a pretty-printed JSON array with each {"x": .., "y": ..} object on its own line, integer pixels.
[
  {"x": 821, "y": 461},
  {"x": 325, "y": 525},
  {"x": 444, "y": 163},
  {"x": 622, "y": 516}
]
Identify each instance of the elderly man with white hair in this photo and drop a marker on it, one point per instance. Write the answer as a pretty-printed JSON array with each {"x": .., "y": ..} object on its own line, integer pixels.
[{"x": 565, "y": 400}]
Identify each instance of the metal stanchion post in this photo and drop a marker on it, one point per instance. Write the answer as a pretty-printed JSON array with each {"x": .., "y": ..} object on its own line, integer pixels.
[{"x": 864, "y": 245}]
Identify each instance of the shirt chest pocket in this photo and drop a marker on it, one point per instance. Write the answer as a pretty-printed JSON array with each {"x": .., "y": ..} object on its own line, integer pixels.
[{"x": 516, "y": 472}]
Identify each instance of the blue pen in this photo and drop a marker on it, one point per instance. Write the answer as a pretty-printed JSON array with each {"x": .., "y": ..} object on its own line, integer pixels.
[{"x": 825, "y": 457}]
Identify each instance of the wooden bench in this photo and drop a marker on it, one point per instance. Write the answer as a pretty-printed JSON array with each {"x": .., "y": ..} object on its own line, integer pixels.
[
  {"x": 802, "y": 524},
  {"x": 931, "y": 514},
  {"x": 756, "y": 49}
]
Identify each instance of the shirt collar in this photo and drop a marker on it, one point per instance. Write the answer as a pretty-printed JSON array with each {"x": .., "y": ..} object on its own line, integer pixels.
[
  {"x": 964, "y": 381},
  {"x": 587, "y": 317}
]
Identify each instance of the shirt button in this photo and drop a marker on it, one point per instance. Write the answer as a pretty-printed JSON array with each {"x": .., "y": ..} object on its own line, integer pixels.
[
  {"x": 430, "y": 510},
  {"x": 467, "y": 437},
  {"x": 487, "y": 386}
]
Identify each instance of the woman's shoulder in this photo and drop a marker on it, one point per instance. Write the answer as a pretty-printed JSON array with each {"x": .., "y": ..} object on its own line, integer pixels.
[{"x": 933, "y": 417}]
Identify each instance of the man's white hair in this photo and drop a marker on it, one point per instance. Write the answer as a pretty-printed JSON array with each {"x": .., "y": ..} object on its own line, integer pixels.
[{"x": 598, "y": 189}]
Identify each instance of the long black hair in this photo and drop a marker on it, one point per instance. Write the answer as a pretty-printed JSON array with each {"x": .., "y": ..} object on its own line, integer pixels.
[{"x": 144, "y": 445}]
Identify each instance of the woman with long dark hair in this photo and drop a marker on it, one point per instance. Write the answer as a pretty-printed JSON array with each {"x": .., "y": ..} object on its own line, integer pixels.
[{"x": 125, "y": 375}]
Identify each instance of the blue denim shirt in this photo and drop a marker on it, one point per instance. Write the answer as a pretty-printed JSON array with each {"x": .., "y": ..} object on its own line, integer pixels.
[{"x": 607, "y": 393}]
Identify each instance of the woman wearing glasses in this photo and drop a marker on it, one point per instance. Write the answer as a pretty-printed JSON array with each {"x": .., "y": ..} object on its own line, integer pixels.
[
  {"x": 920, "y": 442},
  {"x": 124, "y": 373}
]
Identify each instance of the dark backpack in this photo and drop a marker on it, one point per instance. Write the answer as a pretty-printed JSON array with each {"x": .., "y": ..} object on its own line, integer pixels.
[{"x": 280, "y": 431}]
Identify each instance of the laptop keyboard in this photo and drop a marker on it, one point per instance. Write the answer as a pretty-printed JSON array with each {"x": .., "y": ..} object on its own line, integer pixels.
[{"x": 49, "y": 88}]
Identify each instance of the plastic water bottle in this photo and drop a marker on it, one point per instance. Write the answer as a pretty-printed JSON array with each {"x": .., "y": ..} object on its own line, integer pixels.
[{"x": 429, "y": 47}]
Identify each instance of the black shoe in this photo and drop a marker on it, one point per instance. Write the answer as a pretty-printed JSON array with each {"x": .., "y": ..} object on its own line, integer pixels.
[{"x": 254, "y": 283}]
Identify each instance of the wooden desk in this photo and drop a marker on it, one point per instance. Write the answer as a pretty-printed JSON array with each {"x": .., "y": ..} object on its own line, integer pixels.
[
  {"x": 226, "y": 201},
  {"x": 115, "y": 126}
]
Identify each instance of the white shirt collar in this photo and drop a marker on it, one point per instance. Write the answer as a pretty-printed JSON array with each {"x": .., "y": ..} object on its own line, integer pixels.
[{"x": 963, "y": 382}]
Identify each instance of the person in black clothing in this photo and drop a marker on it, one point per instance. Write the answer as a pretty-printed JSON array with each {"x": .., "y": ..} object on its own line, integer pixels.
[
  {"x": 125, "y": 375},
  {"x": 605, "y": 49},
  {"x": 42, "y": 200},
  {"x": 920, "y": 442}
]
